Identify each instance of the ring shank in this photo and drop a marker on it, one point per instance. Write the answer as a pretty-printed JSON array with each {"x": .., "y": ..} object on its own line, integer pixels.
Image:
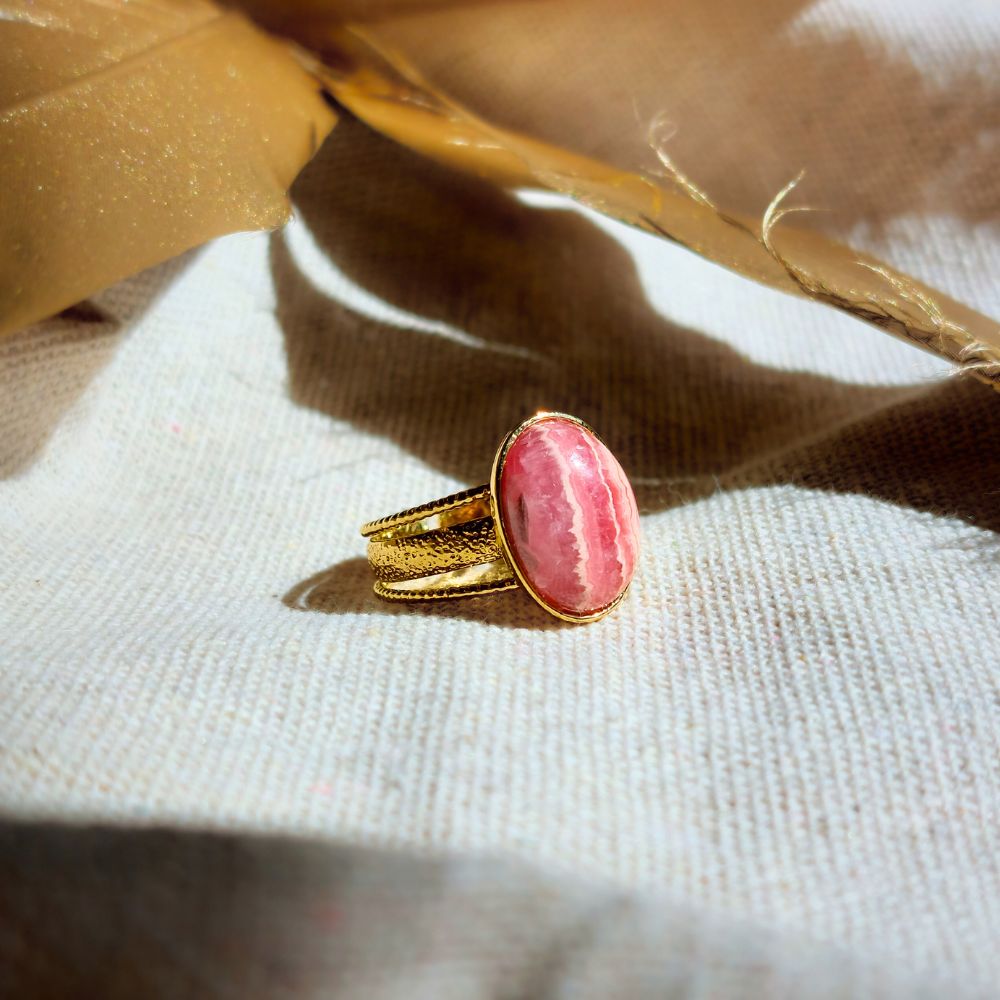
[{"x": 443, "y": 549}]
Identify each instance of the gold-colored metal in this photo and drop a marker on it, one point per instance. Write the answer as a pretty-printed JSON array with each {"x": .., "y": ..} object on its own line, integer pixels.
[
  {"x": 399, "y": 555},
  {"x": 443, "y": 549},
  {"x": 487, "y": 578},
  {"x": 457, "y": 546},
  {"x": 453, "y": 508}
]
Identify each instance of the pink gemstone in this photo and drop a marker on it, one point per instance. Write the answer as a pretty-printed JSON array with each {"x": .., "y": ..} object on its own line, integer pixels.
[{"x": 569, "y": 516}]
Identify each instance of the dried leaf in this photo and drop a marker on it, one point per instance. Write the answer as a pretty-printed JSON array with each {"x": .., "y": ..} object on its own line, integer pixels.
[
  {"x": 131, "y": 131},
  {"x": 399, "y": 65}
]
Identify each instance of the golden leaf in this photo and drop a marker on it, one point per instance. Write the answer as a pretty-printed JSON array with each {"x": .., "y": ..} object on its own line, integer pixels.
[
  {"x": 551, "y": 72},
  {"x": 130, "y": 132}
]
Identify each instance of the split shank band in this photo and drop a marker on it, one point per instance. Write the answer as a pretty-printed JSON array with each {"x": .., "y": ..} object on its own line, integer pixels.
[{"x": 443, "y": 549}]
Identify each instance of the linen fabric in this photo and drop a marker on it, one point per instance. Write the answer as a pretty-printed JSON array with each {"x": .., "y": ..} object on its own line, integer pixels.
[
  {"x": 780, "y": 756},
  {"x": 123, "y": 913}
]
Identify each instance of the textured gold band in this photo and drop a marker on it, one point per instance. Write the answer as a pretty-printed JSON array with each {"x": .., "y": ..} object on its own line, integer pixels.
[{"x": 443, "y": 549}]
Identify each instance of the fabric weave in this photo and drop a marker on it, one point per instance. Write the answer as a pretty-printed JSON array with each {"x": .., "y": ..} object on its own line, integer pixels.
[{"x": 792, "y": 723}]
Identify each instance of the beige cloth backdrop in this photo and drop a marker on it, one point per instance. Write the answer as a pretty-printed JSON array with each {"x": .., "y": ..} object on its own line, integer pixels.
[{"x": 792, "y": 726}]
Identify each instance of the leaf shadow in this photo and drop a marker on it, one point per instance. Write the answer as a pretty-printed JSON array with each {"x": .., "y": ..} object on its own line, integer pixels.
[
  {"x": 546, "y": 310},
  {"x": 46, "y": 367},
  {"x": 754, "y": 96}
]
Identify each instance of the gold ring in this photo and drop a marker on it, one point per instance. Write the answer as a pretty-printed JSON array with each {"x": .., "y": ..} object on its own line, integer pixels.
[{"x": 558, "y": 518}]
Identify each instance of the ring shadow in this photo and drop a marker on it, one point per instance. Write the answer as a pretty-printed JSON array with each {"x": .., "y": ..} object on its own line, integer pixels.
[
  {"x": 548, "y": 312},
  {"x": 346, "y": 588}
]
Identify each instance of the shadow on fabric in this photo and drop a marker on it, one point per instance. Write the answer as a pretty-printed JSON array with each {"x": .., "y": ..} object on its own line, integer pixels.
[
  {"x": 125, "y": 913},
  {"x": 346, "y": 588},
  {"x": 47, "y": 366},
  {"x": 553, "y": 316},
  {"x": 756, "y": 92}
]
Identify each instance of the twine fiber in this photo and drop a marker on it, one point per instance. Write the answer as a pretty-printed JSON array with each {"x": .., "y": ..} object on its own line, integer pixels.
[{"x": 774, "y": 771}]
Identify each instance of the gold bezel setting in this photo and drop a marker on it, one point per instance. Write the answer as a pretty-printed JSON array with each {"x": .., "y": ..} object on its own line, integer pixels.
[{"x": 496, "y": 476}]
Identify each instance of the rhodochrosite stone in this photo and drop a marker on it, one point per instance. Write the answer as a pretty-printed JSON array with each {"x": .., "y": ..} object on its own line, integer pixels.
[{"x": 569, "y": 515}]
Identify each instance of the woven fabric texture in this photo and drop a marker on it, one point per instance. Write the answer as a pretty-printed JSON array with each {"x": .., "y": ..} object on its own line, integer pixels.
[{"x": 793, "y": 723}]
